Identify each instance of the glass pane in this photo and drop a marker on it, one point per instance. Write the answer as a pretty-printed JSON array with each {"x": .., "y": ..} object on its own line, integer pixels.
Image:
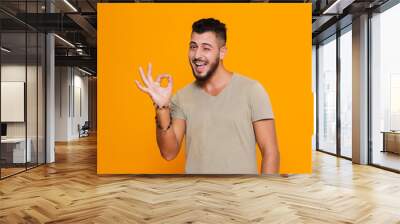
[
  {"x": 31, "y": 85},
  {"x": 41, "y": 98},
  {"x": 327, "y": 96},
  {"x": 386, "y": 88},
  {"x": 314, "y": 78},
  {"x": 14, "y": 153},
  {"x": 22, "y": 89},
  {"x": 32, "y": 95},
  {"x": 346, "y": 94}
]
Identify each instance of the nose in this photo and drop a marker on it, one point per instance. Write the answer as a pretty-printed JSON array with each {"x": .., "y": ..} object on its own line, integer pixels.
[{"x": 197, "y": 53}]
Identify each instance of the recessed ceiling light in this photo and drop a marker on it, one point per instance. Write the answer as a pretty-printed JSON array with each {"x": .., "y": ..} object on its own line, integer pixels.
[
  {"x": 70, "y": 5},
  {"x": 337, "y": 7},
  {"x": 84, "y": 71},
  {"x": 5, "y": 50},
  {"x": 64, "y": 40}
]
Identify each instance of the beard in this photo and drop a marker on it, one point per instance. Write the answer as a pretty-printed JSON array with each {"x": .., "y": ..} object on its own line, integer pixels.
[{"x": 211, "y": 71}]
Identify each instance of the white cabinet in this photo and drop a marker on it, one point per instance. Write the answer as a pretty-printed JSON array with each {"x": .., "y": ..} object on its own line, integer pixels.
[{"x": 17, "y": 146}]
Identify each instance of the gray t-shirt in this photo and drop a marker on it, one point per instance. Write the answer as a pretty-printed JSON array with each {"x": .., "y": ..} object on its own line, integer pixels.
[{"x": 219, "y": 134}]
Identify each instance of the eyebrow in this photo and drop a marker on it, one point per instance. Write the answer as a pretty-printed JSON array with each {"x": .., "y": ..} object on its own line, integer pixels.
[{"x": 192, "y": 42}]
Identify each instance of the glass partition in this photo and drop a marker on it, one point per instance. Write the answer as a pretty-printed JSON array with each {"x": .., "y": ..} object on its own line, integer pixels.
[
  {"x": 22, "y": 77},
  {"x": 41, "y": 107},
  {"x": 14, "y": 153},
  {"x": 32, "y": 95}
]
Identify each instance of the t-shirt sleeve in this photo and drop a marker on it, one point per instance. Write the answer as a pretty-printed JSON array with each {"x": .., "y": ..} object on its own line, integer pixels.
[
  {"x": 260, "y": 103},
  {"x": 176, "y": 108}
]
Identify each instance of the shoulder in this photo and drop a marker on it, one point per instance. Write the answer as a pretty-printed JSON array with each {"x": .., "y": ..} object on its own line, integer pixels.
[
  {"x": 247, "y": 83},
  {"x": 188, "y": 89},
  {"x": 185, "y": 93},
  {"x": 252, "y": 89}
]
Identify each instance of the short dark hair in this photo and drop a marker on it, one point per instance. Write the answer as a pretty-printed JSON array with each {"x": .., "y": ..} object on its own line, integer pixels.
[{"x": 210, "y": 25}]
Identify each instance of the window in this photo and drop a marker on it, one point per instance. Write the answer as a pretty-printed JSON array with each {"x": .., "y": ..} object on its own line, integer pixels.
[
  {"x": 327, "y": 95},
  {"x": 385, "y": 88},
  {"x": 346, "y": 93}
]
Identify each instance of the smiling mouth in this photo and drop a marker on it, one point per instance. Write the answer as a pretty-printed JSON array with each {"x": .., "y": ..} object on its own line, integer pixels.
[{"x": 200, "y": 66}]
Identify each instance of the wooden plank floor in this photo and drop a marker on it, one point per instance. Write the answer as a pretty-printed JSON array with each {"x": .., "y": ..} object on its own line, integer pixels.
[{"x": 69, "y": 191}]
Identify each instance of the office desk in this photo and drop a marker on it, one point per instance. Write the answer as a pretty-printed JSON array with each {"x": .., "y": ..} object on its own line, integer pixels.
[
  {"x": 391, "y": 141},
  {"x": 13, "y": 150}
]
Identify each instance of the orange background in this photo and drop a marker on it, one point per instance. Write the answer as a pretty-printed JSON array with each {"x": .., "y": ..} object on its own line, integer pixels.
[{"x": 267, "y": 42}]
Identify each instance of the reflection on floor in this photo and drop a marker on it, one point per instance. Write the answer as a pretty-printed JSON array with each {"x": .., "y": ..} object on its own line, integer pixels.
[
  {"x": 11, "y": 169},
  {"x": 387, "y": 159},
  {"x": 70, "y": 191}
]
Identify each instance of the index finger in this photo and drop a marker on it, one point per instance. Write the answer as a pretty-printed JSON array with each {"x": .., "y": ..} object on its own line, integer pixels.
[
  {"x": 144, "y": 79},
  {"x": 149, "y": 72}
]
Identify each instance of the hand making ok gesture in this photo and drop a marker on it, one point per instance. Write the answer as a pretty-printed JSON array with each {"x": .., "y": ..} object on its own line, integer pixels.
[{"x": 159, "y": 95}]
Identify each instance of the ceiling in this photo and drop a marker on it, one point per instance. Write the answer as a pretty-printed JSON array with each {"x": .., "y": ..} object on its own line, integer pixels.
[{"x": 76, "y": 22}]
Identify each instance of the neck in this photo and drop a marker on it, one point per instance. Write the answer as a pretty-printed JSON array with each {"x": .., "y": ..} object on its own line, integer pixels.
[{"x": 220, "y": 78}]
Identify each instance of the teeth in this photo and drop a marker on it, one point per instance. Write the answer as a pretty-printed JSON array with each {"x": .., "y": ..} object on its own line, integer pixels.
[{"x": 200, "y": 64}]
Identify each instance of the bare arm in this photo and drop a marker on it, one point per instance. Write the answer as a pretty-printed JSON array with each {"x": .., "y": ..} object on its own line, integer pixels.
[
  {"x": 168, "y": 139},
  {"x": 267, "y": 142}
]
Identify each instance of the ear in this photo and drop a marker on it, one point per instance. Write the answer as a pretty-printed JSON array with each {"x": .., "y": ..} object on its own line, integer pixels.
[{"x": 222, "y": 52}]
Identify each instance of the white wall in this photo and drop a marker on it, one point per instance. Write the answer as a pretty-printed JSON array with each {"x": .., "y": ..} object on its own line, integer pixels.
[
  {"x": 71, "y": 87},
  {"x": 79, "y": 117},
  {"x": 61, "y": 103}
]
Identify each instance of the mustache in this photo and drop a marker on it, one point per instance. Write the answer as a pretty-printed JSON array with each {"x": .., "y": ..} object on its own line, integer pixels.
[{"x": 198, "y": 60}]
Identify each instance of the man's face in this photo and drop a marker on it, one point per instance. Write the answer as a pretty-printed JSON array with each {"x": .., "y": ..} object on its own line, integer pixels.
[{"x": 204, "y": 54}]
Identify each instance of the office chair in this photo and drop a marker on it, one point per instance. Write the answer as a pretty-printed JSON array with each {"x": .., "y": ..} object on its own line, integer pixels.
[{"x": 84, "y": 130}]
